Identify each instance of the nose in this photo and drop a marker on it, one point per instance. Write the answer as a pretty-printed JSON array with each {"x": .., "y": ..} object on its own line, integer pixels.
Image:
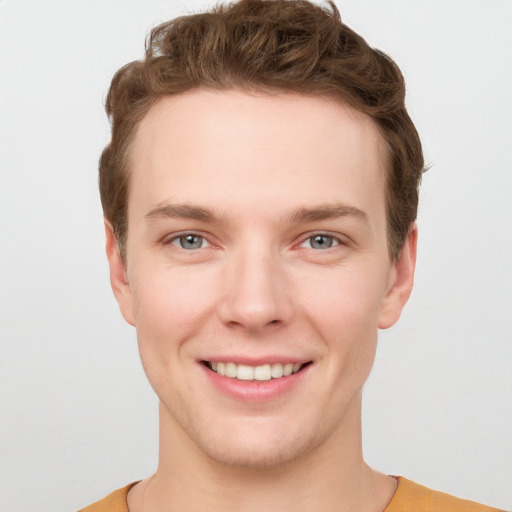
[{"x": 257, "y": 291}]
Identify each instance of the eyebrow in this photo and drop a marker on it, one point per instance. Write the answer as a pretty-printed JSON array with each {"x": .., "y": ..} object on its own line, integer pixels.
[
  {"x": 300, "y": 214},
  {"x": 181, "y": 211},
  {"x": 326, "y": 212}
]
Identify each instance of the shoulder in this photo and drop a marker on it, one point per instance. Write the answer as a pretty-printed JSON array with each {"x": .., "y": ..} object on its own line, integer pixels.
[
  {"x": 114, "y": 502},
  {"x": 411, "y": 496}
]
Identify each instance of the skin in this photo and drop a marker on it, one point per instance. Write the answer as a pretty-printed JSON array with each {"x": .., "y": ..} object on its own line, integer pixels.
[{"x": 254, "y": 179}]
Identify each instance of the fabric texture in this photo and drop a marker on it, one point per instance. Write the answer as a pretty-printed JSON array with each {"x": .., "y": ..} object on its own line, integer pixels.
[
  {"x": 408, "y": 497},
  {"x": 115, "y": 502}
]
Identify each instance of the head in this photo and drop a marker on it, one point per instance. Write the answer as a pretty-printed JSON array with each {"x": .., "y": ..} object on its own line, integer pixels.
[
  {"x": 259, "y": 191},
  {"x": 265, "y": 46}
]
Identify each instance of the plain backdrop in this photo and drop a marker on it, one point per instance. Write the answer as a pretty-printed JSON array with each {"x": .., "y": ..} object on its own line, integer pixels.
[{"x": 77, "y": 418}]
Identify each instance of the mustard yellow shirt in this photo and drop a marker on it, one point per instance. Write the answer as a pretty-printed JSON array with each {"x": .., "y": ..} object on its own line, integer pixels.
[{"x": 408, "y": 497}]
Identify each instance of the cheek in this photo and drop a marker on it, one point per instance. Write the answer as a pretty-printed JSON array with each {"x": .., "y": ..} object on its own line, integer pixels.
[
  {"x": 347, "y": 299},
  {"x": 171, "y": 306},
  {"x": 171, "y": 299}
]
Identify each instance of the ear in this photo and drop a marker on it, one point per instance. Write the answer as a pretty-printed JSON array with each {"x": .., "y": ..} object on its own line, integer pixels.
[
  {"x": 401, "y": 281},
  {"x": 118, "y": 275}
]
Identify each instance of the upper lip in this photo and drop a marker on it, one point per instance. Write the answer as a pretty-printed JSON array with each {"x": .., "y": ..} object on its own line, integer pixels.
[{"x": 256, "y": 361}]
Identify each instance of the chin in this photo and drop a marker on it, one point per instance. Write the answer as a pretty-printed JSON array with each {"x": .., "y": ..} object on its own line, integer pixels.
[
  {"x": 254, "y": 456},
  {"x": 255, "y": 448}
]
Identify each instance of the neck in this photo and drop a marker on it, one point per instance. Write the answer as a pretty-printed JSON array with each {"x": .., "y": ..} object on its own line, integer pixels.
[{"x": 333, "y": 476}]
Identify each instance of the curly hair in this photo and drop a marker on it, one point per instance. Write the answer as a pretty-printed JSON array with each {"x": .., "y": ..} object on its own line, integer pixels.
[{"x": 265, "y": 46}]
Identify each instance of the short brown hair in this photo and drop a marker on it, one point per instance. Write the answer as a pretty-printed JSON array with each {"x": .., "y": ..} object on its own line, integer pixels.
[{"x": 265, "y": 45}]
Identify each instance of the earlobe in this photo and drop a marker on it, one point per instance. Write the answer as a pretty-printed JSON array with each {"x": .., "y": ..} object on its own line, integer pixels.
[
  {"x": 118, "y": 275},
  {"x": 402, "y": 282}
]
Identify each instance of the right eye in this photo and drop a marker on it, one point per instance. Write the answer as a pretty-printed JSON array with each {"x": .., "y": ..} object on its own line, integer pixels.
[
  {"x": 321, "y": 242},
  {"x": 189, "y": 241}
]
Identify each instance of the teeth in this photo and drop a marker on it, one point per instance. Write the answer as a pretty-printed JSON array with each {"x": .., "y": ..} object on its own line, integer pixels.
[
  {"x": 244, "y": 372},
  {"x": 231, "y": 370},
  {"x": 277, "y": 371},
  {"x": 261, "y": 373}
]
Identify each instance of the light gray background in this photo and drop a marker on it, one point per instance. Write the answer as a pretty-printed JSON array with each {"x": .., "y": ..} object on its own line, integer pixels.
[{"x": 77, "y": 417}]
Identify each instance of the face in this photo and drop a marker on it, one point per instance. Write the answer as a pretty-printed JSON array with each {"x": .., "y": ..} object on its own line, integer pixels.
[{"x": 257, "y": 270}]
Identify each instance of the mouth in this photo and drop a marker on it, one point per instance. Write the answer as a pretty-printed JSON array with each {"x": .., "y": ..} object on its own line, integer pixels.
[{"x": 264, "y": 372}]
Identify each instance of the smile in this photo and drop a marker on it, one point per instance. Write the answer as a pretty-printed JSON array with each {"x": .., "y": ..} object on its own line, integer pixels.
[{"x": 250, "y": 373}]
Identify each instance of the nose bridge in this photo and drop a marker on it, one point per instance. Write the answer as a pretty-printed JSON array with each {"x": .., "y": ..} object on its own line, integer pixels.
[{"x": 257, "y": 292}]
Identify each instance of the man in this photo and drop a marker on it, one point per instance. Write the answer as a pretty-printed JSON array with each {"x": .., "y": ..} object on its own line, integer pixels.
[{"x": 260, "y": 193}]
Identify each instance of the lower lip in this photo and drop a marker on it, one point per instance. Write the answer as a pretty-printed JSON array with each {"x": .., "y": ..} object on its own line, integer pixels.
[{"x": 255, "y": 390}]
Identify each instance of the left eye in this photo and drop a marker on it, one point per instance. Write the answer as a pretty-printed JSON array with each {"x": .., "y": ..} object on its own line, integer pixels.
[
  {"x": 321, "y": 242},
  {"x": 189, "y": 241}
]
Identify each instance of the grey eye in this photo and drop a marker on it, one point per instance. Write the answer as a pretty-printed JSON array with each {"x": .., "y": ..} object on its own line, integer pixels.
[
  {"x": 322, "y": 241},
  {"x": 190, "y": 241}
]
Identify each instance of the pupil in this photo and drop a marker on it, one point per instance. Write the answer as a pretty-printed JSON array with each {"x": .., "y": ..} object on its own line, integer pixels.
[
  {"x": 322, "y": 242},
  {"x": 191, "y": 242}
]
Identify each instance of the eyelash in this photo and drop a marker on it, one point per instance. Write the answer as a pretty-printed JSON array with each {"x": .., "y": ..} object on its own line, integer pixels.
[
  {"x": 178, "y": 240},
  {"x": 181, "y": 236},
  {"x": 336, "y": 240}
]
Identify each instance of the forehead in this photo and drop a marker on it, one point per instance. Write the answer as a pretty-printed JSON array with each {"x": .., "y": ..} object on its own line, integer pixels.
[{"x": 213, "y": 146}]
